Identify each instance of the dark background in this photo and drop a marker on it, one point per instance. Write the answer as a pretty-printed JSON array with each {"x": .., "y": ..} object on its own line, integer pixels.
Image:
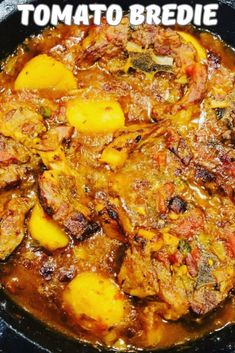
[{"x": 19, "y": 332}]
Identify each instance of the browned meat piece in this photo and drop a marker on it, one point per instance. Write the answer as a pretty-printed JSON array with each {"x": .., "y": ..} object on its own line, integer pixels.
[
  {"x": 146, "y": 195},
  {"x": 103, "y": 42},
  {"x": 109, "y": 219},
  {"x": 15, "y": 163},
  {"x": 53, "y": 138},
  {"x": 59, "y": 198},
  {"x": 137, "y": 275},
  {"x": 173, "y": 291},
  {"x": 142, "y": 276},
  {"x": 205, "y": 299},
  {"x": 12, "y": 152},
  {"x": 11, "y": 176},
  {"x": 12, "y": 225},
  {"x": 164, "y": 40},
  {"x": 21, "y": 122},
  {"x": 197, "y": 86},
  {"x": 214, "y": 166},
  {"x": 194, "y": 284},
  {"x": 177, "y": 204}
]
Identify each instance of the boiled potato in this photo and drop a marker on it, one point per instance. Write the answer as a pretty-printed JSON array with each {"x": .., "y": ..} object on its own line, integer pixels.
[
  {"x": 147, "y": 234},
  {"x": 201, "y": 52},
  {"x": 113, "y": 157},
  {"x": 44, "y": 72},
  {"x": 95, "y": 116},
  {"x": 94, "y": 300},
  {"x": 45, "y": 231}
]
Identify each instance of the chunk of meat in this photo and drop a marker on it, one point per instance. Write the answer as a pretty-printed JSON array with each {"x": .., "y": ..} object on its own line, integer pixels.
[
  {"x": 12, "y": 175},
  {"x": 177, "y": 204},
  {"x": 21, "y": 122},
  {"x": 15, "y": 163},
  {"x": 53, "y": 138},
  {"x": 197, "y": 87},
  {"x": 102, "y": 42},
  {"x": 137, "y": 275},
  {"x": 142, "y": 276},
  {"x": 59, "y": 198},
  {"x": 144, "y": 197},
  {"x": 164, "y": 40},
  {"x": 205, "y": 299},
  {"x": 109, "y": 220},
  {"x": 12, "y": 225},
  {"x": 214, "y": 279},
  {"x": 172, "y": 291},
  {"x": 12, "y": 152}
]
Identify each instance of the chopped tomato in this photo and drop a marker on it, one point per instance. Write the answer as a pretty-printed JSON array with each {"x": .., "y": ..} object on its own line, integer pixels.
[
  {"x": 163, "y": 194},
  {"x": 190, "y": 70},
  {"x": 176, "y": 258},
  {"x": 231, "y": 244},
  {"x": 190, "y": 223}
]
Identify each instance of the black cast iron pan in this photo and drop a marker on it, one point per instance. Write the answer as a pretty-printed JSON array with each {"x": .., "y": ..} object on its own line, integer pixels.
[{"x": 19, "y": 332}]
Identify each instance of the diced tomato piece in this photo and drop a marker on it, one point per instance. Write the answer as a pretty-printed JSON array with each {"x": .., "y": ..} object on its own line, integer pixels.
[
  {"x": 190, "y": 223},
  {"x": 231, "y": 244},
  {"x": 176, "y": 258},
  {"x": 190, "y": 70},
  {"x": 196, "y": 254},
  {"x": 163, "y": 194}
]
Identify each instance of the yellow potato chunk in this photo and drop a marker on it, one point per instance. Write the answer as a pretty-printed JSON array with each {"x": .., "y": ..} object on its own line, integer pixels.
[
  {"x": 93, "y": 116},
  {"x": 95, "y": 301},
  {"x": 201, "y": 52},
  {"x": 147, "y": 234},
  {"x": 113, "y": 157},
  {"x": 45, "y": 231},
  {"x": 44, "y": 72}
]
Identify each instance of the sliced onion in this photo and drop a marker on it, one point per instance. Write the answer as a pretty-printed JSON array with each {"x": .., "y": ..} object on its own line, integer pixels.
[
  {"x": 163, "y": 60},
  {"x": 131, "y": 46}
]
